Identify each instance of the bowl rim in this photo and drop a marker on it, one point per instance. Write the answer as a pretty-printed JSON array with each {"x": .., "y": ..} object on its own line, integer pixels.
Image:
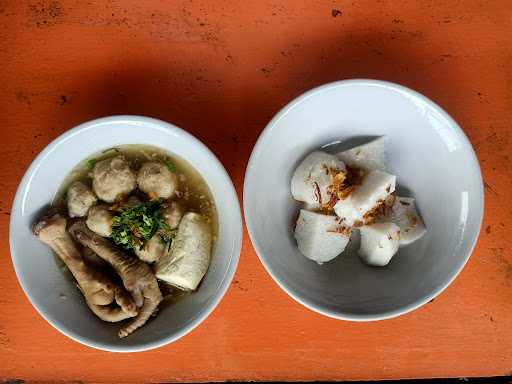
[
  {"x": 234, "y": 257},
  {"x": 252, "y": 164}
]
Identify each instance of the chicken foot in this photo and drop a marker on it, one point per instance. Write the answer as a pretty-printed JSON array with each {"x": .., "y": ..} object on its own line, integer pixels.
[
  {"x": 118, "y": 313},
  {"x": 99, "y": 291},
  {"x": 138, "y": 278}
]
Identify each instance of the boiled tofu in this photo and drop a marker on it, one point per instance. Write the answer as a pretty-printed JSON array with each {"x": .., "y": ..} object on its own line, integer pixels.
[
  {"x": 379, "y": 243},
  {"x": 319, "y": 237},
  {"x": 404, "y": 214},
  {"x": 375, "y": 187},
  {"x": 312, "y": 178},
  {"x": 188, "y": 260},
  {"x": 368, "y": 156}
]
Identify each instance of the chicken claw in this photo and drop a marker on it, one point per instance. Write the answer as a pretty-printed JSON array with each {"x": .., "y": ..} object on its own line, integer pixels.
[
  {"x": 98, "y": 290},
  {"x": 138, "y": 278},
  {"x": 126, "y": 309}
]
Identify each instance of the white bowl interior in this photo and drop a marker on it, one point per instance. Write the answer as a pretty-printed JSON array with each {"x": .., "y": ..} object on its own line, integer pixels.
[
  {"x": 55, "y": 297},
  {"x": 434, "y": 163}
]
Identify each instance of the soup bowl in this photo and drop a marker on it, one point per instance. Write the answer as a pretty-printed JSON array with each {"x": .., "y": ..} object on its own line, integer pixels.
[{"x": 55, "y": 296}]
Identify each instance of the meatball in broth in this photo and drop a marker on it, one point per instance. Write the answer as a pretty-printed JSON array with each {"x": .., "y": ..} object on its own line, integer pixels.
[
  {"x": 155, "y": 179},
  {"x": 113, "y": 179},
  {"x": 172, "y": 214},
  {"x": 80, "y": 199},
  {"x": 100, "y": 220}
]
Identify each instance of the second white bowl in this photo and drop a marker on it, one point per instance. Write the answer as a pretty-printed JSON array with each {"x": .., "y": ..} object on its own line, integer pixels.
[{"x": 433, "y": 160}]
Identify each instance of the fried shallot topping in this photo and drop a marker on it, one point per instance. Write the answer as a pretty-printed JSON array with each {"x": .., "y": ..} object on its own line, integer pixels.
[
  {"x": 318, "y": 195},
  {"x": 412, "y": 219},
  {"x": 343, "y": 230},
  {"x": 343, "y": 183}
]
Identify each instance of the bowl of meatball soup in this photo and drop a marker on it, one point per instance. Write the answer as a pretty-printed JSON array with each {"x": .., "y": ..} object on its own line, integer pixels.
[{"x": 125, "y": 233}]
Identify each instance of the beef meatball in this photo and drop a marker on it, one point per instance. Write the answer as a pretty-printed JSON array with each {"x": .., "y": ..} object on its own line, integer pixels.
[
  {"x": 172, "y": 214},
  {"x": 80, "y": 199},
  {"x": 152, "y": 250},
  {"x": 113, "y": 179},
  {"x": 155, "y": 179},
  {"x": 100, "y": 220}
]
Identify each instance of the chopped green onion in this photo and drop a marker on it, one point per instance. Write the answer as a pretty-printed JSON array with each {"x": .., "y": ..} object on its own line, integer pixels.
[
  {"x": 91, "y": 163},
  {"x": 135, "y": 226},
  {"x": 170, "y": 165}
]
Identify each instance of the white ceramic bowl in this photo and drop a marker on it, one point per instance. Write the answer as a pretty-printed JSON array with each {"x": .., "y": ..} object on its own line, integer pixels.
[
  {"x": 434, "y": 161},
  {"x": 36, "y": 267}
]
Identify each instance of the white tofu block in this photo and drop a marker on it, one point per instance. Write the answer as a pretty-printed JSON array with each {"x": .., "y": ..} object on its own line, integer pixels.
[
  {"x": 379, "y": 243},
  {"x": 404, "y": 214},
  {"x": 368, "y": 156},
  {"x": 317, "y": 237},
  {"x": 311, "y": 178},
  {"x": 188, "y": 260},
  {"x": 375, "y": 186}
]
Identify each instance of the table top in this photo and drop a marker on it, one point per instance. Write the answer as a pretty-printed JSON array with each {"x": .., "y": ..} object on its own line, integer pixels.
[{"x": 221, "y": 70}]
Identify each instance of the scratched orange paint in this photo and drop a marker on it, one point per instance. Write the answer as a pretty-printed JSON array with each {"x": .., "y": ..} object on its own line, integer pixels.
[{"x": 222, "y": 70}]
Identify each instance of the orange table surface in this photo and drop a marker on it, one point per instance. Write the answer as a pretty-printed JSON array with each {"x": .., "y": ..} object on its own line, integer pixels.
[{"x": 221, "y": 70}]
